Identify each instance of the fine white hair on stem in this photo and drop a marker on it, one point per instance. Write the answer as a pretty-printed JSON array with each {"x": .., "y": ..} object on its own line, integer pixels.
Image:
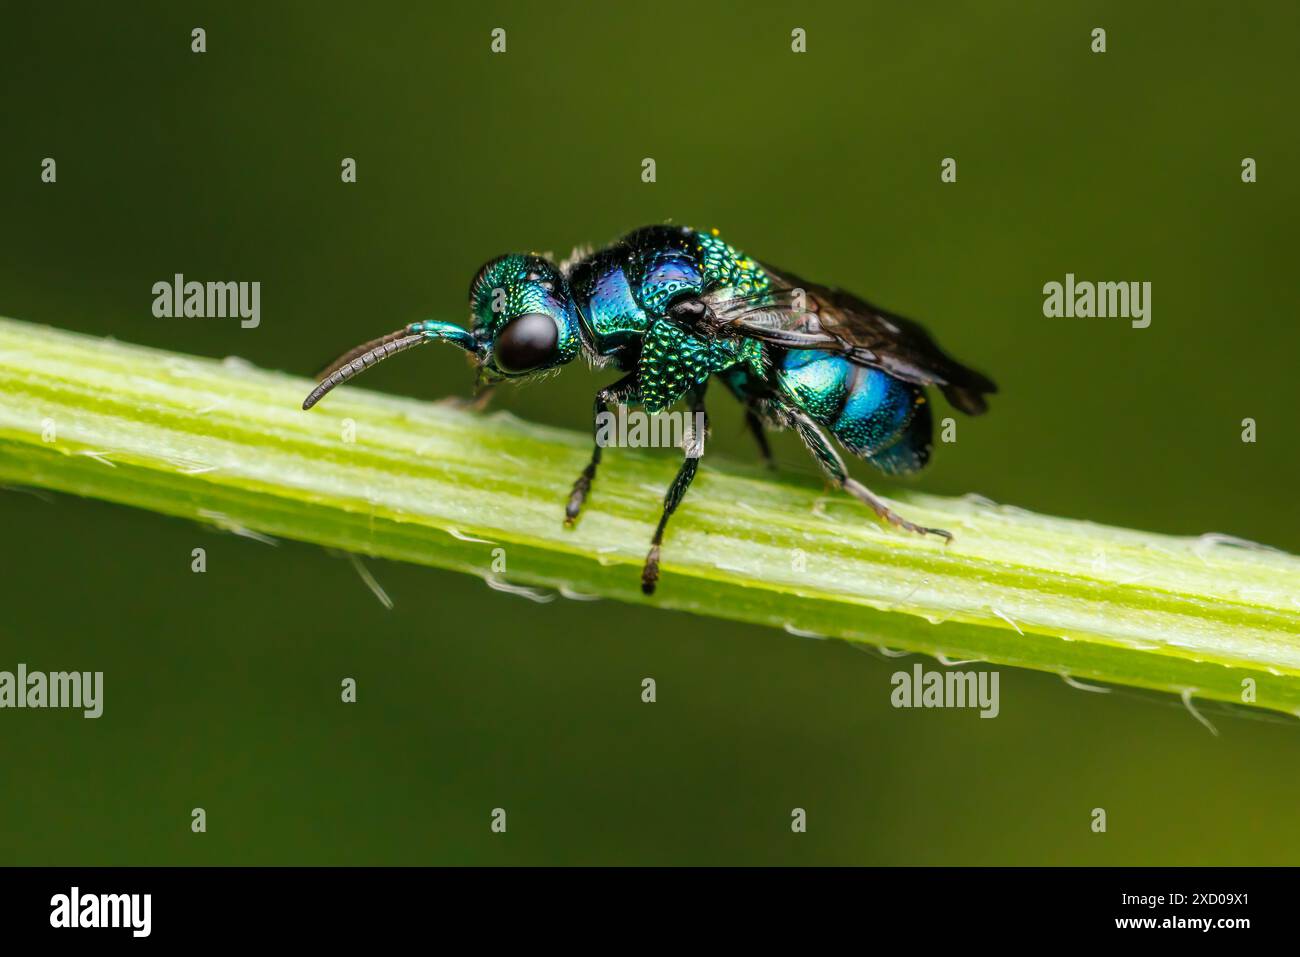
[{"x": 370, "y": 581}]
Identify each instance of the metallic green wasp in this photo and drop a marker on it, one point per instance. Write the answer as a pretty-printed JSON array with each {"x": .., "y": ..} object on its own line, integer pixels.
[{"x": 671, "y": 307}]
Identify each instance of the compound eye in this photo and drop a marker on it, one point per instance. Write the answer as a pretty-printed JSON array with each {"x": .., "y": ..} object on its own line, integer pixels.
[{"x": 526, "y": 342}]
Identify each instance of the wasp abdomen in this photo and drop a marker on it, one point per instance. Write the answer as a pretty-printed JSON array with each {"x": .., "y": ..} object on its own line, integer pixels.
[{"x": 872, "y": 414}]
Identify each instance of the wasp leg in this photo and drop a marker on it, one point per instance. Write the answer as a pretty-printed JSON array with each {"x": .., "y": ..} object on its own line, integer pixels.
[
  {"x": 755, "y": 424},
  {"x": 624, "y": 388},
  {"x": 753, "y": 420},
  {"x": 833, "y": 465},
  {"x": 676, "y": 491}
]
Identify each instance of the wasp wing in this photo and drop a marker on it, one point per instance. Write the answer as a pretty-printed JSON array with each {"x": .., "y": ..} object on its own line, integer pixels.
[{"x": 795, "y": 314}]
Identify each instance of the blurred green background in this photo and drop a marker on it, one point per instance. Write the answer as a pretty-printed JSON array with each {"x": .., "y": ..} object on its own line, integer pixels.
[{"x": 222, "y": 690}]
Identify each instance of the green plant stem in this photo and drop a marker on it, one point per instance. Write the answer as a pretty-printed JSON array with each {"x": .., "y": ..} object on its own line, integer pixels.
[{"x": 226, "y": 444}]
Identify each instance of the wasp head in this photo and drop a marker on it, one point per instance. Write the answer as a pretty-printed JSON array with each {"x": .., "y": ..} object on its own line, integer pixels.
[{"x": 524, "y": 317}]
